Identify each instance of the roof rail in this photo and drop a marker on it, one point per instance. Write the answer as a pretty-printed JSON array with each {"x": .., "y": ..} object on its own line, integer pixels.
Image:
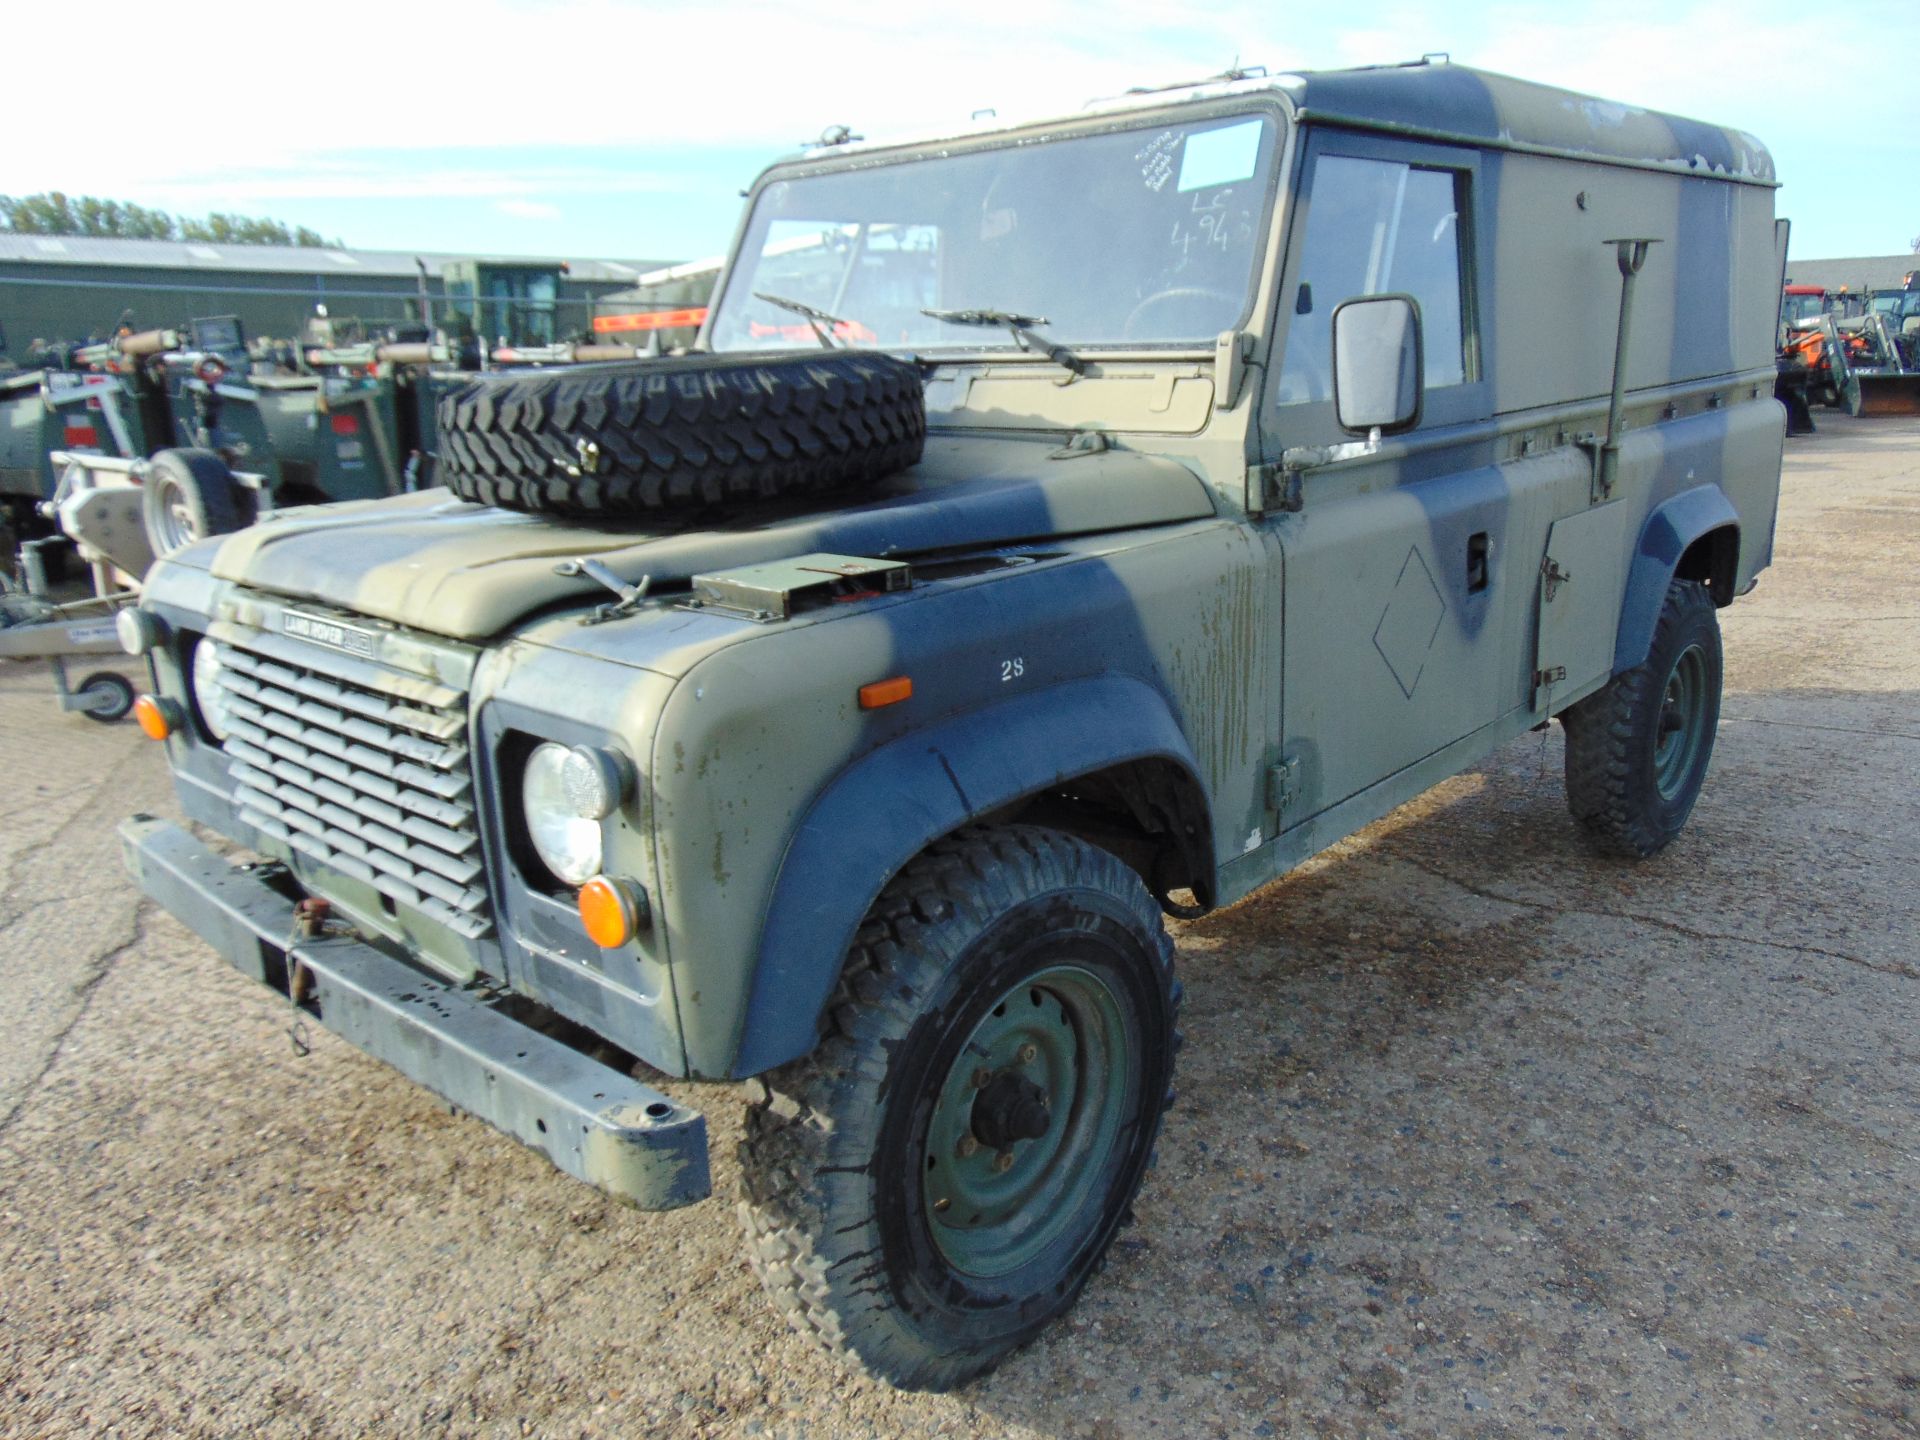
[{"x": 1225, "y": 77}]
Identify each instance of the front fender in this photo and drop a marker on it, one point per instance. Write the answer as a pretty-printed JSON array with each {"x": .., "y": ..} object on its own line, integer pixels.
[
  {"x": 891, "y": 804},
  {"x": 1674, "y": 525}
]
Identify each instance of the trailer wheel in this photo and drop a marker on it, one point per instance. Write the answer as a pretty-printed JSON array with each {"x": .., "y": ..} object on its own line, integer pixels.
[
  {"x": 1637, "y": 750},
  {"x": 937, "y": 1181},
  {"x": 681, "y": 432},
  {"x": 190, "y": 494},
  {"x": 106, "y": 697}
]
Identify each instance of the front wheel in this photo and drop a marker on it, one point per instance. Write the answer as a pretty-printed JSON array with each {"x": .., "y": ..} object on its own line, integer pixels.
[
  {"x": 1637, "y": 750},
  {"x": 936, "y": 1182}
]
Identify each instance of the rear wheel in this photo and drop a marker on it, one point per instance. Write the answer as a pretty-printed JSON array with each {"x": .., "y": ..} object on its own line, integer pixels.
[
  {"x": 936, "y": 1183},
  {"x": 1637, "y": 750}
]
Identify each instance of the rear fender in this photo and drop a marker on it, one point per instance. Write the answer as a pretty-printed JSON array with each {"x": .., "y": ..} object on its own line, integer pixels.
[
  {"x": 891, "y": 804},
  {"x": 1673, "y": 526}
]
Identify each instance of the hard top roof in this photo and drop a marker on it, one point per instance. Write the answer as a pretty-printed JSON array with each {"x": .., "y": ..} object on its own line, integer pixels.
[
  {"x": 1435, "y": 99},
  {"x": 1457, "y": 102}
]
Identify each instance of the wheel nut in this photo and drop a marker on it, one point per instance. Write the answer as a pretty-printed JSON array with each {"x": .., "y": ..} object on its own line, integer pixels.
[
  {"x": 968, "y": 1146},
  {"x": 1003, "y": 1162},
  {"x": 982, "y": 1078},
  {"x": 1028, "y": 1053}
]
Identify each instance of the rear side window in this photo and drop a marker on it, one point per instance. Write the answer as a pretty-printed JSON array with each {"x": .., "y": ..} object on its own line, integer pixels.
[{"x": 1377, "y": 227}]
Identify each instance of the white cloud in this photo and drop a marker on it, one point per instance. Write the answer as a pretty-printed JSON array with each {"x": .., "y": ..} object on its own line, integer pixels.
[
  {"x": 589, "y": 78},
  {"x": 318, "y": 178},
  {"x": 760, "y": 72},
  {"x": 528, "y": 209}
]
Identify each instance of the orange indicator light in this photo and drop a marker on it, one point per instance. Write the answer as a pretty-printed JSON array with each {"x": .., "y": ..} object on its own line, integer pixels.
[
  {"x": 886, "y": 692},
  {"x": 607, "y": 911},
  {"x": 155, "y": 717}
]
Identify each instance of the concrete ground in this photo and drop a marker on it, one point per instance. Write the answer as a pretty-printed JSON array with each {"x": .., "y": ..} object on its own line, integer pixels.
[{"x": 1478, "y": 1135}]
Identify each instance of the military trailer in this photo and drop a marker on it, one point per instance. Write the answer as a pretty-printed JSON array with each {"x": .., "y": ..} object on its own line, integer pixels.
[
  {"x": 1227, "y": 464},
  {"x": 46, "y": 410}
]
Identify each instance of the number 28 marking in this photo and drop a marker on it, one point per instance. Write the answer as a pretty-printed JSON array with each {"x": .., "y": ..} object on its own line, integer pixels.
[{"x": 1012, "y": 669}]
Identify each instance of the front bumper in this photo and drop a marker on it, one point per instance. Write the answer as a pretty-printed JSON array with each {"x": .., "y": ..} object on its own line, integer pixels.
[{"x": 591, "y": 1120}]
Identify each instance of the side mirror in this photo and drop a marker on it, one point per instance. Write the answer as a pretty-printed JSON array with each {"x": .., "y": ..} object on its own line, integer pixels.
[{"x": 1377, "y": 363}]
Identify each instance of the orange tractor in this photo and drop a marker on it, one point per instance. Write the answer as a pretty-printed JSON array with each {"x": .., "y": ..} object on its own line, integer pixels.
[{"x": 1856, "y": 362}]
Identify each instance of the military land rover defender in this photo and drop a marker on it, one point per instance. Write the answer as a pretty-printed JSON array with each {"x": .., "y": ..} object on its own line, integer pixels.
[{"x": 1056, "y": 527}]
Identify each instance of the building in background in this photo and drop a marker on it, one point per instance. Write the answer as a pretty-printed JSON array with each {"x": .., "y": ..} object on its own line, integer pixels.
[
  {"x": 1866, "y": 272},
  {"x": 75, "y": 288}
]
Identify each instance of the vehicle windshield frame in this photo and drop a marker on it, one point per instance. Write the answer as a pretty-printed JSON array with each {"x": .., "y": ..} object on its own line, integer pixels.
[{"x": 997, "y": 345}]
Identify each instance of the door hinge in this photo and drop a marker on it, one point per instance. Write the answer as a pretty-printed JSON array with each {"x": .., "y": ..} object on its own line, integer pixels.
[
  {"x": 1554, "y": 576},
  {"x": 1283, "y": 783}
]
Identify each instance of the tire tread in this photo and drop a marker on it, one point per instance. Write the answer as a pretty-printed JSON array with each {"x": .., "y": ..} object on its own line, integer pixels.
[
  {"x": 900, "y": 954},
  {"x": 682, "y": 432},
  {"x": 1604, "y": 738}
]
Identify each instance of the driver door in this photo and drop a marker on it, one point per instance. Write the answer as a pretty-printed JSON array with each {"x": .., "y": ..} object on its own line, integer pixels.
[{"x": 1398, "y": 568}]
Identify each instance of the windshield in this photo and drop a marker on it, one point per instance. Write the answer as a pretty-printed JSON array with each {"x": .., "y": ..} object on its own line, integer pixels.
[{"x": 1140, "y": 236}]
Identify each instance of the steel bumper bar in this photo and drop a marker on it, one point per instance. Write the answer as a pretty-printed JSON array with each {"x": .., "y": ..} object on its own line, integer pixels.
[{"x": 589, "y": 1119}]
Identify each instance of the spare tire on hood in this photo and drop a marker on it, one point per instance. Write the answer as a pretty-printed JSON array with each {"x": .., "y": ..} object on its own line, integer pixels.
[{"x": 681, "y": 432}]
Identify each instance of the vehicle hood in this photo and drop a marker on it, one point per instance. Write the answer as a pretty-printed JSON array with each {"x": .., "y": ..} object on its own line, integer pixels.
[{"x": 435, "y": 563}]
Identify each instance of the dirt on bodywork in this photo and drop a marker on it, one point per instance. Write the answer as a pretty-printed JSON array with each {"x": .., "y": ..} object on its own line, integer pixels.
[{"x": 1476, "y": 1135}]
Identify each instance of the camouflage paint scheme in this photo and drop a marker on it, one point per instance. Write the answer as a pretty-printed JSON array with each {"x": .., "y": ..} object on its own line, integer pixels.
[{"x": 1251, "y": 677}]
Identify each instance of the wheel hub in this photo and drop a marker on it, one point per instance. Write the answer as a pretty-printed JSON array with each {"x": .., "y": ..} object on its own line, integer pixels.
[
  {"x": 1681, "y": 729},
  {"x": 1010, "y": 1108},
  {"x": 1025, "y": 1120}
]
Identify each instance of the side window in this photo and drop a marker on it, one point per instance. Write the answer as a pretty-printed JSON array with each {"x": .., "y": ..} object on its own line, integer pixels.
[{"x": 1376, "y": 227}]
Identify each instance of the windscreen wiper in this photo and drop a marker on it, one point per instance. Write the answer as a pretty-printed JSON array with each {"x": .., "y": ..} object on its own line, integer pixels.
[
  {"x": 1022, "y": 328},
  {"x": 818, "y": 319}
]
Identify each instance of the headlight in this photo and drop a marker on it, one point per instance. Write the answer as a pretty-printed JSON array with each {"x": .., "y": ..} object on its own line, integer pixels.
[
  {"x": 567, "y": 842},
  {"x": 215, "y": 711}
]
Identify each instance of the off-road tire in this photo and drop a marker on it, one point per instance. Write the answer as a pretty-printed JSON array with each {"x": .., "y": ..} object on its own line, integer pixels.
[
  {"x": 686, "y": 432},
  {"x": 831, "y": 1181},
  {"x": 1613, "y": 735},
  {"x": 188, "y": 489}
]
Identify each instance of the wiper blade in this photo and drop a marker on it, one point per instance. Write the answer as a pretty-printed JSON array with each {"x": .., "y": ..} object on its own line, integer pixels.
[
  {"x": 1022, "y": 327},
  {"x": 818, "y": 319}
]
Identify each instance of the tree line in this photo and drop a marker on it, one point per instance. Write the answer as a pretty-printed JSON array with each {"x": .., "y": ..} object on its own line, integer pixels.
[{"x": 53, "y": 213}]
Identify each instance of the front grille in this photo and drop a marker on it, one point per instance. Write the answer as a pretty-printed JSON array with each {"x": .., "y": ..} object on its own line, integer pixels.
[{"x": 364, "y": 770}]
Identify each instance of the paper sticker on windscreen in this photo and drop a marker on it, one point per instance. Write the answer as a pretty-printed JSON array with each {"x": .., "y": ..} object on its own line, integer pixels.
[{"x": 1220, "y": 157}]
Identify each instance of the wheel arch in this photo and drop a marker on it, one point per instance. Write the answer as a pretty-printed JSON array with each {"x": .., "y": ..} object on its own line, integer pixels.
[
  {"x": 1029, "y": 755},
  {"x": 1694, "y": 535}
]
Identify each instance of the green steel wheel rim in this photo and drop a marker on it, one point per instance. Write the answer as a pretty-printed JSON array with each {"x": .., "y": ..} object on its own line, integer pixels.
[
  {"x": 994, "y": 1201},
  {"x": 1683, "y": 722}
]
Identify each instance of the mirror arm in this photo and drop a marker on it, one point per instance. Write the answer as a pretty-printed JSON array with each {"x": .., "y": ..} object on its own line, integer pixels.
[{"x": 1296, "y": 460}]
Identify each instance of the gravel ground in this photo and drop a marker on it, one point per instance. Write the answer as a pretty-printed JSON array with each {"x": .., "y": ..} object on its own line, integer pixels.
[{"x": 1478, "y": 1135}]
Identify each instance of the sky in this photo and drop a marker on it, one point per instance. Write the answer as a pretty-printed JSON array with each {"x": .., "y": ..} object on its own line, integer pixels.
[{"x": 627, "y": 129}]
